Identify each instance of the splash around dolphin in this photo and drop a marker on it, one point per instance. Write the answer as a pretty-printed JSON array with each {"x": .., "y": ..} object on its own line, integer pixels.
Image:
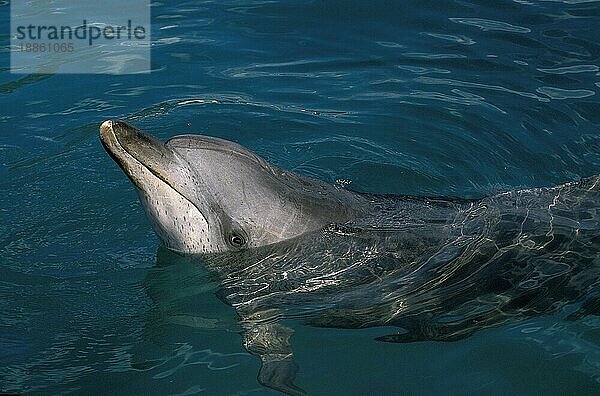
[{"x": 293, "y": 247}]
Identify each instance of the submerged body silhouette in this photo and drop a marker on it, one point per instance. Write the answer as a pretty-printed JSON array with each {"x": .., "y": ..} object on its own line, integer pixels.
[{"x": 437, "y": 269}]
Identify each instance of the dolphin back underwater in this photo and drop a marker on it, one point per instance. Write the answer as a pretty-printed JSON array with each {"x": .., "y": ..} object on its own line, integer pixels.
[{"x": 284, "y": 245}]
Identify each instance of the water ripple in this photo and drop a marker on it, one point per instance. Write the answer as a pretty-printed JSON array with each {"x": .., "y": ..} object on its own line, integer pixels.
[
  {"x": 445, "y": 81},
  {"x": 490, "y": 25},
  {"x": 560, "y": 94},
  {"x": 464, "y": 40},
  {"x": 338, "y": 115},
  {"x": 571, "y": 69}
]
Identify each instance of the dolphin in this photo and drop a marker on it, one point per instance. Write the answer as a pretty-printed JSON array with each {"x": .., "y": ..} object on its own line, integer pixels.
[
  {"x": 287, "y": 246},
  {"x": 204, "y": 195}
]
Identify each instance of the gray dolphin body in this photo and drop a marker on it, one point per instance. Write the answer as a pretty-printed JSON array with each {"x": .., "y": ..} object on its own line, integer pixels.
[{"x": 293, "y": 247}]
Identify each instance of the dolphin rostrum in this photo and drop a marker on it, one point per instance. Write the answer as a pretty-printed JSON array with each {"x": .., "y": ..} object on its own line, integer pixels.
[{"x": 293, "y": 247}]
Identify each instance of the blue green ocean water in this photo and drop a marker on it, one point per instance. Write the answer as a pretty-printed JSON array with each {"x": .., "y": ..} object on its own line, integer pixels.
[{"x": 457, "y": 98}]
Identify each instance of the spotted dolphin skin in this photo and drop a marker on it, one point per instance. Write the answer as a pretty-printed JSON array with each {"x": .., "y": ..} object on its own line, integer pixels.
[
  {"x": 295, "y": 248},
  {"x": 204, "y": 194}
]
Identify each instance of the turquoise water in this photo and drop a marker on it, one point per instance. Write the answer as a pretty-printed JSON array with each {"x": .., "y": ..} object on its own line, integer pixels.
[{"x": 459, "y": 98}]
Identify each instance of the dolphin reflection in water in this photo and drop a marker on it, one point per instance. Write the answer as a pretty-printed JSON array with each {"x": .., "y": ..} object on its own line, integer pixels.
[{"x": 282, "y": 246}]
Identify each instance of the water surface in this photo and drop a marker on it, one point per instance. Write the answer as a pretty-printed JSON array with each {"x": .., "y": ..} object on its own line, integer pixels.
[{"x": 459, "y": 98}]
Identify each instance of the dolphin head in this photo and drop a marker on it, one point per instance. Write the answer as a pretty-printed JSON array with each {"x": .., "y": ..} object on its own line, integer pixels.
[{"x": 203, "y": 194}]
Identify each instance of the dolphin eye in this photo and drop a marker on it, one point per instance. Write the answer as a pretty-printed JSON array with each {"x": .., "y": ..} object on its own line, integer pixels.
[{"x": 237, "y": 240}]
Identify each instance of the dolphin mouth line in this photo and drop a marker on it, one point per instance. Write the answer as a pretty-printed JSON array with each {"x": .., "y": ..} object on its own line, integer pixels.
[
  {"x": 111, "y": 143},
  {"x": 122, "y": 162}
]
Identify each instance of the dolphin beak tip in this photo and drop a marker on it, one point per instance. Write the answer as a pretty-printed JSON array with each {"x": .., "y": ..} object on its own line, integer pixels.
[
  {"x": 106, "y": 124},
  {"x": 107, "y": 135},
  {"x": 106, "y": 127}
]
